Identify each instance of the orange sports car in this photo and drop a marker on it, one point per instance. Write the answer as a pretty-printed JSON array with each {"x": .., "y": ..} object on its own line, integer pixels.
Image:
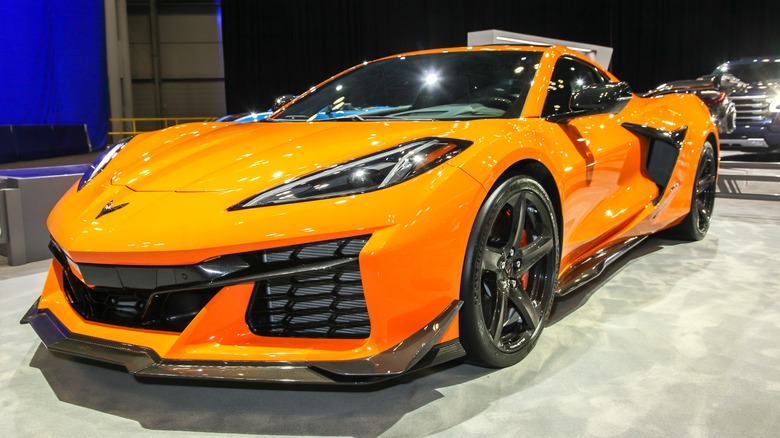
[{"x": 409, "y": 211}]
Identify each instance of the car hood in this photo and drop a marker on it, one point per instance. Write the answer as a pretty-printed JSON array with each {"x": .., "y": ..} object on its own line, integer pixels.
[
  {"x": 760, "y": 88},
  {"x": 206, "y": 157}
]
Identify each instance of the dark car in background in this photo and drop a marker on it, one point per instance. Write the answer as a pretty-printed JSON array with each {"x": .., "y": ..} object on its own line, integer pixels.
[
  {"x": 715, "y": 91},
  {"x": 758, "y": 105}
]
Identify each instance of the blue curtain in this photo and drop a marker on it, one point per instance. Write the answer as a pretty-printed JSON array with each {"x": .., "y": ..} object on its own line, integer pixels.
[{"x": 53, "y": 65}]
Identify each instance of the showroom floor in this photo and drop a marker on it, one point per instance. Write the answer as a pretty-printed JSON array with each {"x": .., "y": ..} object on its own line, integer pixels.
[{"x": 676, "y": 340}]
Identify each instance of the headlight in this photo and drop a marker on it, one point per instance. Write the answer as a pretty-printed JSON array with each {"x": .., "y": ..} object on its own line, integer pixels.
[
  {"x": 103, "y": 161},
  {"x": 366, "y": 174},
  {"x": 774, "y": 105}
]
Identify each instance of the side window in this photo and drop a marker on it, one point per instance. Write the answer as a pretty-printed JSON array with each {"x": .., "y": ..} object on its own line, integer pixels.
[{"x": 569, "y": 76}]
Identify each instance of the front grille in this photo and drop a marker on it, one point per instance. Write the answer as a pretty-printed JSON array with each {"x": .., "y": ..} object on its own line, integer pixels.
[
  {"x": 328, "y": 303},
  {"x": 751, "y": 108},
  {"x": 311, "y": 290},
  {"x": 136, "y": 308}
]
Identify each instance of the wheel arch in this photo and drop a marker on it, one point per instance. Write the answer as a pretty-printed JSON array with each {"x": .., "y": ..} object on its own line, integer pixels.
[
  {"x": 542, "y": 174},
  {"x": 713, "y": 139}
]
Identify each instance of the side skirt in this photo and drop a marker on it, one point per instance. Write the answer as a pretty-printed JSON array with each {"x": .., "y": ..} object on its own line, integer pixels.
[{"x": 587, "y": 270}]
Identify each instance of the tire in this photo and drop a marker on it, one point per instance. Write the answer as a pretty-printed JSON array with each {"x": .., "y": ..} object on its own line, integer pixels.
[
  {"x": 697, "y": 222},
  {"x": 730, "y": 120},
  {"x": 510, "y": 273}
]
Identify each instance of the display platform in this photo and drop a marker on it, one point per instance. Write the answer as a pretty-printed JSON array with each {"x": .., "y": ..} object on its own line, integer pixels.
[
  {"x": 674, "y": 340},
  {"x": 26, "y": 198}
]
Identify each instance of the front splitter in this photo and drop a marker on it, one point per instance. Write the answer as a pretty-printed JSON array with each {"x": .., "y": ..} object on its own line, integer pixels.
[{"x": 416, "y": 352}]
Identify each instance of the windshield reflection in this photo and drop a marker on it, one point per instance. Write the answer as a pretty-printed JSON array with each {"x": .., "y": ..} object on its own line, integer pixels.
[{"x": 441, "y": 86}]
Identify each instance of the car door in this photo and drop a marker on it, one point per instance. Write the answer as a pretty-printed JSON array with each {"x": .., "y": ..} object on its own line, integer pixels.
[{"x": 604, "y": 189}]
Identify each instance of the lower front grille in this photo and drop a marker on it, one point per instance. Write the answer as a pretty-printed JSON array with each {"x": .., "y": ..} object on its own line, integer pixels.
[
  {"x": 325, "y": 304},
  {"x": 310, "y": 290},
  {"x": 136, "y": 308}
]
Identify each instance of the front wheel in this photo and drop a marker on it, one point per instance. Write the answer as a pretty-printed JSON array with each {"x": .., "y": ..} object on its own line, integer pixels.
[{"x": 510, "y": 273}]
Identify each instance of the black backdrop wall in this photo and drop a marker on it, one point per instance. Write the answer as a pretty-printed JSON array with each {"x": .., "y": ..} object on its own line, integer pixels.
[{"x": 281, "y": 47}]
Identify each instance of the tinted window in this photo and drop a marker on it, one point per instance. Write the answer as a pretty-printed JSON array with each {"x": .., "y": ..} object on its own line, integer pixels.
[
  {"x": 569, "y": 76},
  {"x": 442, "y": 86}
]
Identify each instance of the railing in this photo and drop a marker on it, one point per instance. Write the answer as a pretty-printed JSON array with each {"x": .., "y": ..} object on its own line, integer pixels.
[
  {"x": 730, "y": 185},
  {"x": 123, "y": 126}
]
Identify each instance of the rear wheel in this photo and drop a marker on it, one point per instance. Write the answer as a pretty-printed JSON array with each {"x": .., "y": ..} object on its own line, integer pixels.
[
  {"x": 696, "y": 224},
  {"x": 510, "y": 273}
]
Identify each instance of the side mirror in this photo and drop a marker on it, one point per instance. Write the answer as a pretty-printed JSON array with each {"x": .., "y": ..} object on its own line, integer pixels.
[
  {"x": 282, "y": 101},
  {"x": 609, "y": 97},
  {"x": 601, "y": 98}
]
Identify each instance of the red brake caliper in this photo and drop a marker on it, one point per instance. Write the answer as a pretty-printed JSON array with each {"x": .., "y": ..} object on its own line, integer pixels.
[{"x": 524, "y": 277}]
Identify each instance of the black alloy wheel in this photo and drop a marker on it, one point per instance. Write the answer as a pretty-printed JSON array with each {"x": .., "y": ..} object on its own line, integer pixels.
[
  {"x": 510, "y": 274},
  {"x": 696, "y": 224}
]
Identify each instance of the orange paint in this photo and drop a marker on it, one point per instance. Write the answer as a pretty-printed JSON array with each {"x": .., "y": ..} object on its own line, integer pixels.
[{"x": 180, "y": 182}]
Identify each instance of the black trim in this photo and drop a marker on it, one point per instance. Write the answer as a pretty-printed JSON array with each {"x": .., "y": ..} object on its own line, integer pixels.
[
  {"x": 340, "y": 168},
  {"x": 169, "y": 297},
  {"x": 414, "y": 353},
  {"x": 587, "y": 270},
  {"x": 222, "y": 271},
  {"x": 610, "y": 97},
  {"x": 663, "y": 153},
  {"x": 675, "y": 138},
  {"x": 401, "y": 357}
]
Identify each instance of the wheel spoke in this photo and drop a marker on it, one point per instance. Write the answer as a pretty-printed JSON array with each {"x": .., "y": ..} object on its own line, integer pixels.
[
  {"x": 525, "y": 306},
  {"x": 499, "y": 312},
  {"x": 519, "y": 208},
  {"x": 702, "y": 208},
  {"x": 704, "y": 184},
  {"x": 512, "y": 317},
  {"x": 533, "y": 252}
]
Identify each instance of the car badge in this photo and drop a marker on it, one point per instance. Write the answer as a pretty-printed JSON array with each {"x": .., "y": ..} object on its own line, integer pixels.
[{"x": 109, "y": 208}]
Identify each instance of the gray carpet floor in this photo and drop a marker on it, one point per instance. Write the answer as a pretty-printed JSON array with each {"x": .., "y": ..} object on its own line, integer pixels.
[{"x": 675, "y": 340}]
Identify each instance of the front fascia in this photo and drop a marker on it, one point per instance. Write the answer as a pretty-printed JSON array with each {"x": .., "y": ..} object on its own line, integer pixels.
[{"x": 411, "y": 265}]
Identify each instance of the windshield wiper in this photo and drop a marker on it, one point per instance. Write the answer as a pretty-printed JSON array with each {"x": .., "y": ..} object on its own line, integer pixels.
[
  {"x": 363, "y": 118},
  {"x": 353, "y": 117},
  {"x": 289, "y": 118}
]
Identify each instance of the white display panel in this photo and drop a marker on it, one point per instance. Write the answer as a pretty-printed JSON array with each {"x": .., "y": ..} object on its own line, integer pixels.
[{"x": 600, "y": 54}]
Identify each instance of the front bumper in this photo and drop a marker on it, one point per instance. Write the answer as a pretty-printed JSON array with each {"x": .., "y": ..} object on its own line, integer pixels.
[
  {"x": 754, "y": 135},
  {"x": 417, "y": 352},
  {"x": 409, "y": 269}
]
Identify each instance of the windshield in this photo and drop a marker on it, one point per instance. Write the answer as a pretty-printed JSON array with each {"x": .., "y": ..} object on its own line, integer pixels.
[
  {"x": 754, "y": 71},
  {"x": 441, "y": 86}
]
